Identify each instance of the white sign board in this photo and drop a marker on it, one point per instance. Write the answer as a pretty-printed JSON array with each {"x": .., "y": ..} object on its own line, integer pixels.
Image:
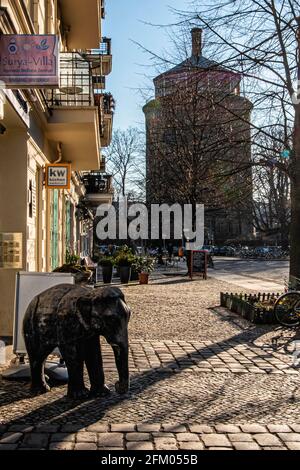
[
  {"x": 28, "y": 285},
  {"x": 1, "y": 105}
]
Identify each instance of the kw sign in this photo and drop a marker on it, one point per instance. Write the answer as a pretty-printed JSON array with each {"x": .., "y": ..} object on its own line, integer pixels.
[
  {"x": 29, "y": 60},
  {"x": 58, "y": 176}
]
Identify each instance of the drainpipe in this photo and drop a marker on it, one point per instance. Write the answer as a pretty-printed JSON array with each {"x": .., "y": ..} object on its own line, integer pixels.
[{"x": 59, "y": 153}]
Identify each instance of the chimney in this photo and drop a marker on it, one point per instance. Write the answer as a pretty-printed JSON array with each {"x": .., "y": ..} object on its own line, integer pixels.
[{"x": 197, "y": 42}]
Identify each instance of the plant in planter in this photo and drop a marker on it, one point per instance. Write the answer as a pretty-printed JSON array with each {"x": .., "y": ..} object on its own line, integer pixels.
[
  {"x": 107, "y": 263},
  {"x": 134, "y": 271},
  {"x": 144, "y": 267},
  {"x": 124, "y": 261}
]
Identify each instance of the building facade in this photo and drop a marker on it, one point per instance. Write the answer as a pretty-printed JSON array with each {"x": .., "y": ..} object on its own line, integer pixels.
[
  {"x": 69, "y": 123},
  {"x": 199, "y": 144}
]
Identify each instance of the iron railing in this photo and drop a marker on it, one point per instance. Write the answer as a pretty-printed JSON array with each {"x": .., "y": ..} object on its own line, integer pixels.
[
  {"x": 96, "y": 182},
  {"x": 75, "y": 88}
]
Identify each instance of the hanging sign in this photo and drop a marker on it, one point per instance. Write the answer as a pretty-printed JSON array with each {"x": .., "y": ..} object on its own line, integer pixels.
[
  {"x": 58, "y": 176},
  {"x": 29, "y": 60}
]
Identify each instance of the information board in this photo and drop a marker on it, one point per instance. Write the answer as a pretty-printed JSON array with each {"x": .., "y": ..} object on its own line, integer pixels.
[{"x": 198, "y": 263}]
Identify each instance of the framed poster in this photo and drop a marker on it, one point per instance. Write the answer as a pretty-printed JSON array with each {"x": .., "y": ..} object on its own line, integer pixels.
[{"x": 198, "y": 263}]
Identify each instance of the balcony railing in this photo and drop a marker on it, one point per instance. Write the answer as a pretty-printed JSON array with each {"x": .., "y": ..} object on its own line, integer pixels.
[
  {"x": 104, "y": 48},
  {"x": 97, "y": 183},
  {"x": 76, "y": 82}
]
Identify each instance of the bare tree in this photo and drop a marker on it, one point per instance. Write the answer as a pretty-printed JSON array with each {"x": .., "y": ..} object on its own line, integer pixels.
[
  {"x": 257, "y": 39},
  {"x": 125, "y": 158}
]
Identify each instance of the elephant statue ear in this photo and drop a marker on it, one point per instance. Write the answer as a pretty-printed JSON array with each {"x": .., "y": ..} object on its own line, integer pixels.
[{"x": 84, "y": 311}]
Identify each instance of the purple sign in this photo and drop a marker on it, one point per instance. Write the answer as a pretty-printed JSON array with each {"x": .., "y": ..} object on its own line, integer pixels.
[{"x": 29, "y": 61}]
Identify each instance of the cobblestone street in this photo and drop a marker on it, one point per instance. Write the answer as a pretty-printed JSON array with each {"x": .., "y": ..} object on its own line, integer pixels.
[{"x": 200, "y": 379}]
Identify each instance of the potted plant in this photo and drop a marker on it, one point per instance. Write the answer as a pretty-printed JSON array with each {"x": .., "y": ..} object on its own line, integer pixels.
[
  {"x": 124, "y": 261},
  {"x": 134, "y": 269},
  {"x": 145, "y": 266},
  {"x": 107, "y": 263}
]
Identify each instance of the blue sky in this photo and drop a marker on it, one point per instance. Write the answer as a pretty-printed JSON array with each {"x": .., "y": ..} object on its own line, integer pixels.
[{"x": 124, "y": 23}]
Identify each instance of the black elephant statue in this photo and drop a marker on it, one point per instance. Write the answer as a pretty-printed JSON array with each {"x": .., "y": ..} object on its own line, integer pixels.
[{"x": 72, "y": 318}]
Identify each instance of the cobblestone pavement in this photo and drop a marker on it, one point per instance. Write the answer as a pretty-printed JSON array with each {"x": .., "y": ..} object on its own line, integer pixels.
[
  {"x": 165, "y": 436},
  {"x": 217, "y": 382}
]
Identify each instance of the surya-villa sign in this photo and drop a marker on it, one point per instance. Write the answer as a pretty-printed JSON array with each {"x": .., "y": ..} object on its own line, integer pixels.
[{"x": 29, "y": 61}]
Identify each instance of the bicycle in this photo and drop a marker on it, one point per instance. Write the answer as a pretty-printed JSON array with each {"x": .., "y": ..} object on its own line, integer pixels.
[{"x": 287, "y": 309}]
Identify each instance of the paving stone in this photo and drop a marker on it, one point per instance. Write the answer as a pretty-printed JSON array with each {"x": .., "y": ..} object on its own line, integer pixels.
[
  {"x": 148, "y": 427},
  {"x": 186, "y": 437},
  {"x": 254, "y": 428},
  {"x": 138, "y": 436},
  {"x": 139, "y": 445},
  {"x": 35, "y": 440},
  {"x": 86, "y": 437},
  {"x": 85, "y": 446},
  {"x": 47, "y": 428},
  {"x": 174, "y": 428},
  {"x": 227, "y": 428},
  {"x": 201, "y": 429},
  {"x": 246, "y": 446},
  {"x": 295, "y": 427},
  {"x": 240, "y": 437},
  {"x": 72, "y": 427},
  {"x": 62, "y": 446},
  {"x": 113, "y": 439},
  {"x": 126, "y": 427},
  {"x": 275, "y": 448},
  {"x": 63, "y": 437},
  {"x": 293, "y": 445},
  {"x": 289, "y": 437},
  {"x": 165, "y": 443},
  {"x": 20, "y": 428},
  {"x": 98, "y": 427},
  {"x": 279, "y": 428},
  {"x": 219, "y": 448},
  {"x": 191, "y": 445},
  {"x": 267, "y": 440},
  {"x": 163, "y": 434},
  {"x": 10, "y": 437},
  {"x": 216, "y": 440}
]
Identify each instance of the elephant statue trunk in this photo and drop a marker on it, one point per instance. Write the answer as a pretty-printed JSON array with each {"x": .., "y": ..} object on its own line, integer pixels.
[{"x": 72, "y": 318}]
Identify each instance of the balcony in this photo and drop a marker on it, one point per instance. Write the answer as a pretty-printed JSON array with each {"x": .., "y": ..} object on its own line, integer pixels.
[
  {"x": 83, "y": 19},
  {"x": 99, "y": 188},
  {"x": 75, "y": 118},
  {"x": 106, "y": 104},
  {"x": 100, "y": 59}
]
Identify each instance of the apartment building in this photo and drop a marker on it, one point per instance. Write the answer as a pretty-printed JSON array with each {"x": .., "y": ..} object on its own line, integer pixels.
[{"x": 55, "y": 111}]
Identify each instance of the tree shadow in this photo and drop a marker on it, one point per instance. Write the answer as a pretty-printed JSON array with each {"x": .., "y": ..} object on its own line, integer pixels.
[{"x": 62, "y": 411}]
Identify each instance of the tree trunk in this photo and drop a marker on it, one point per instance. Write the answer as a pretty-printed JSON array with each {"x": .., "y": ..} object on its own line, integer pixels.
[{"x": 295, "y": 201}]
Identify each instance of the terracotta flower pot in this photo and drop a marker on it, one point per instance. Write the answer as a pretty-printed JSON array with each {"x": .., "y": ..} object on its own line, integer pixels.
[{"x": 144, "y": 278}]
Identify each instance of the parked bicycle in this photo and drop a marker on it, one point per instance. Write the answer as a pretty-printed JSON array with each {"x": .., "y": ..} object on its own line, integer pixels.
[{"x": 287, "y": 309}]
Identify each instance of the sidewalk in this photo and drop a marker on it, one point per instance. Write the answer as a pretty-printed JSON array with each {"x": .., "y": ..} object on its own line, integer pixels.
[{"x": 200, "y": 379}]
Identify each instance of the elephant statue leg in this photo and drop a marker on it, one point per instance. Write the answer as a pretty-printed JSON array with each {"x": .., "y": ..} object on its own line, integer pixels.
[
  {"x": 37, "y": 358},
  {"x": 73, "y": 355},
  {"x": 94, "y": 365},
  {"x": 121, "y": 358}
]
